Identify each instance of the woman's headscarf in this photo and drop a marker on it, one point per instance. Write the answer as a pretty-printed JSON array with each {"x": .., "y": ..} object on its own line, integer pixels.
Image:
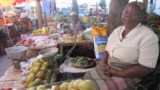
[{"x": 141, "y": 10}]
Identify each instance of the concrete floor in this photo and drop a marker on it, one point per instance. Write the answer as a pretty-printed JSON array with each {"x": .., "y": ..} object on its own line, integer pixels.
[{"x": 5, "y": 63}]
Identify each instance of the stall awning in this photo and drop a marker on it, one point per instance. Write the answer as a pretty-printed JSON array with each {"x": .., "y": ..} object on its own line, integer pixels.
[
  {"x": 5, "y": 3},
  {"x": 18, "y": 2}
]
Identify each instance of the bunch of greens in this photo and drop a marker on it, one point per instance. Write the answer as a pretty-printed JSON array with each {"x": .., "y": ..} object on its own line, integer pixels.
[{"x": 83, "y": 61}]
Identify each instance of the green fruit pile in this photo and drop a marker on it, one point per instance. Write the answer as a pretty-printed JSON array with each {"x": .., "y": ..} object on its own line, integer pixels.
[
  {"x": 39, "y": 73},
  {"x": 86, "y": 19},
  {"x": 78, "y": 84}
]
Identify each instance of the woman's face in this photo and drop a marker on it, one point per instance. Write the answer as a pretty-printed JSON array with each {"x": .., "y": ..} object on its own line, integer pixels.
[{"x": 130, "y": 16}]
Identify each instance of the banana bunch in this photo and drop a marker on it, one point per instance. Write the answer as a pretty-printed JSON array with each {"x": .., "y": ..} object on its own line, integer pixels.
[{"x": 42, "y": 31}]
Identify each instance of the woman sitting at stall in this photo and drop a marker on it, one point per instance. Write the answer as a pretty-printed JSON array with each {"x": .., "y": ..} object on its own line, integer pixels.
[{"x": 131, "y": 53}]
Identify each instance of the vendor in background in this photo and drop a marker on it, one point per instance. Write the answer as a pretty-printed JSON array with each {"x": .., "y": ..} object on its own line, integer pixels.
[
  {"x": 78, "y": 26},
  {"x": 78, "y": 30},
  {"x": 90, "y": 12}
]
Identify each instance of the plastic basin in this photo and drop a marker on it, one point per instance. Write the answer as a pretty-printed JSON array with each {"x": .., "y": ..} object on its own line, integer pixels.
[{"x": 16, "y": 52}]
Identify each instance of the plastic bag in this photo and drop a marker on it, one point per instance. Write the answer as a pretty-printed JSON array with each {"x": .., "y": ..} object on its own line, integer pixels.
[{"x": 100, "y": 40}]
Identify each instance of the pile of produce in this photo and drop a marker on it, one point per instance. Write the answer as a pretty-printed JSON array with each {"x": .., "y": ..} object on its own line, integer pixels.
[
  {"x": 37, "y": 41},
  {"x": 83, "y": 62},
  {"x": 86, "y": 19},
  {"x": 66, "y": 38},
  {"x": 39, "y": 73},
  {"x": 26, "y": 42},
  {"x": 58, "y": 17},
  {"x": 78, "y": 84},
  {"x": 42, "y": 31},
  {"x": 95, "y": 20}
]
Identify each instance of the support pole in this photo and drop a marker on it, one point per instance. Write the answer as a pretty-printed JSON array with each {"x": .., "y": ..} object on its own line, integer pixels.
[{"x": 39, "y": 14}]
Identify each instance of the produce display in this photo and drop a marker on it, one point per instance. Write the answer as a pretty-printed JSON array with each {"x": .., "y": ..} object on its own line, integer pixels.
[
  {"x": 42, "y": 31},
  {"x": 26, "y": 42},
  {"x": 93, "y": 20},
  {"x": 82, "y": 62},
  {"x": 66, "y": 38},
  {"x": 86, "y": 19},
  {"x": 37, "y": 41},
  {"x": 39, "y": 73},
  {"x": 78, "y": 84}
]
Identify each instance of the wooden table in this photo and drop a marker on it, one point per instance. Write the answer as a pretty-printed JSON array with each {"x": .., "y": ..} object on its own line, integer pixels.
[{"x": 62, "y": 45}]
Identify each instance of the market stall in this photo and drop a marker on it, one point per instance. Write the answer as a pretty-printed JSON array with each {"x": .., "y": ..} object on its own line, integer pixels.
[
  {"x": 60, "y": 65},
  {"x": 38, "y": 44}
]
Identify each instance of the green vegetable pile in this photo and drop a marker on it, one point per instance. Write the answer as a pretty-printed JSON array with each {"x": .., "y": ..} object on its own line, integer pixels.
[{"x": 82, "y": 61}]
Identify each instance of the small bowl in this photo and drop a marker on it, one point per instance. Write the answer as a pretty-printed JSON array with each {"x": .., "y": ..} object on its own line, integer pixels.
[{"x": 49, "y": 52}]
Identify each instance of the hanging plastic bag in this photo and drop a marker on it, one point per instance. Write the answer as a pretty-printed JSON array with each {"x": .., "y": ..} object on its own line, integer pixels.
[{"x": 100, "y": 40}]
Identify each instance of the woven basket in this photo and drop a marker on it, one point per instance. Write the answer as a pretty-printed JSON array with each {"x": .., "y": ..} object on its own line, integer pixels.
[
  {"x": 39, "y": 47},
  {"x": 82, "y": 66},
  {"x": 32, "y": 52}
]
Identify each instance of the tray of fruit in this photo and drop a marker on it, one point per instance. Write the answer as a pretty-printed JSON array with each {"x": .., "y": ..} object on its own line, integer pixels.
[{"x": 82, "y": 62}]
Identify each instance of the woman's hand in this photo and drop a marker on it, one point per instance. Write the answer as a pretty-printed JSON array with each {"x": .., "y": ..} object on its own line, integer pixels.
[
  {"x": 131, "y": 72},
  {"x": 108, "y": 70},
  {"x": 104, "y": 67},
  {"x": 113, "y": 72}
]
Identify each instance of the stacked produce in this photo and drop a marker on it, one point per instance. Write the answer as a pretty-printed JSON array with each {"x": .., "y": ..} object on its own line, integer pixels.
[
  {"x": 39, "y": 73},
  {"x": 41, "y": 31},
  {"x": 86, "y": 19},
  {"x": 78, "y": 84},
  {"x": 36, "y": 41},
  {"x": 26, "y": 42}
]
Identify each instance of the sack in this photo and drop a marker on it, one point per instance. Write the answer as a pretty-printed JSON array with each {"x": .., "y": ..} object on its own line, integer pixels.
[
  {"x": 100, "y": 40},
  {"x": 88, "y": 34}
]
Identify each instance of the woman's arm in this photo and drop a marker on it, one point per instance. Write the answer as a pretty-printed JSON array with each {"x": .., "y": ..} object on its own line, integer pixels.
[
  {"x": 104, "y": 64},
  {"x": 135, "y": 71},
  {"x": 105, "y": 57}
]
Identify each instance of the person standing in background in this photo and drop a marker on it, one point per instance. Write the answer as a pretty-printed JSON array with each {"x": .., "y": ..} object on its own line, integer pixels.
[
  {"x": 78, "y": 26},
  {"x": 90, "y": 12},
  {"x": 53, "y": 7}
]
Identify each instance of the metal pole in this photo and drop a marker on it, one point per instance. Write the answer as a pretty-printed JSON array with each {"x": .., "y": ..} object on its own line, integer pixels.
[
  {"x": 45, "y": 20},
  {"x": 96, "y": 7}
]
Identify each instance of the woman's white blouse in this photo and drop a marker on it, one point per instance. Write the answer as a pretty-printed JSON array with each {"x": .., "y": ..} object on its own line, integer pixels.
[{"x": 140, "y": 46}]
